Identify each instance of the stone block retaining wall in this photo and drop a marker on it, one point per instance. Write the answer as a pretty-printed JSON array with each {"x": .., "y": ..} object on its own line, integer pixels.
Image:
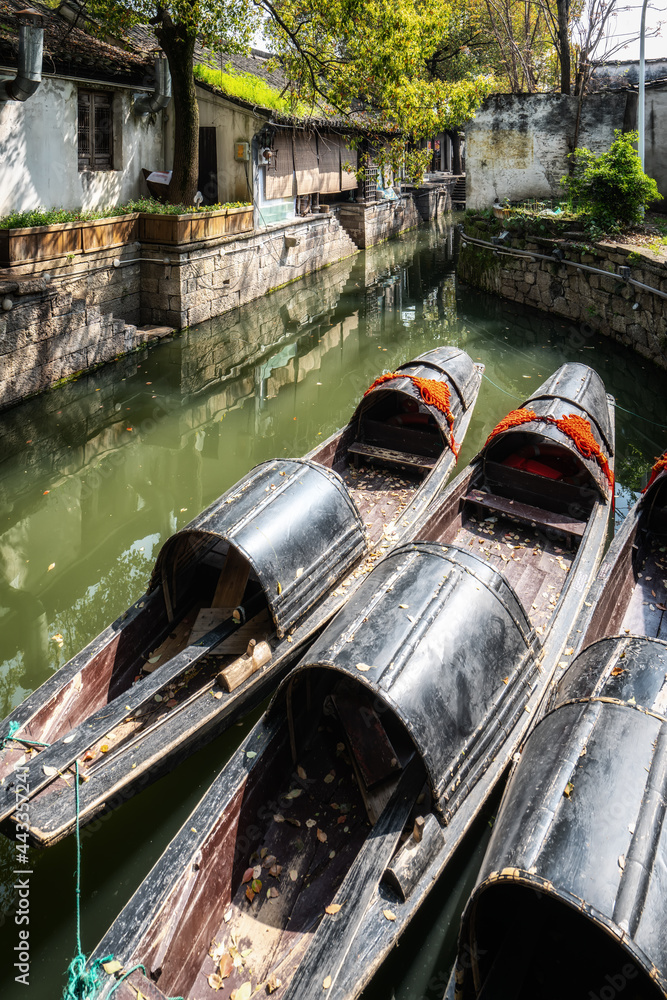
[
  {"x": 68, "y": 316},
  {"x": 372, "y": 222},
  {"x": 609, "y": 305}
]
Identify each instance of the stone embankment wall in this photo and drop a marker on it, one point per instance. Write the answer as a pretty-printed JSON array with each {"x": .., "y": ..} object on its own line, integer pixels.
[
  {"x": 372, "y": 222},
  {"x": 60, "y": 317},
  {"x": 609, "y": 304}
]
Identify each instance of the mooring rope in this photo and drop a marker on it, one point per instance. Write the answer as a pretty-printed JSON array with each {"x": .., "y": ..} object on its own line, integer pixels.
[{"x": 12, "y": 738}]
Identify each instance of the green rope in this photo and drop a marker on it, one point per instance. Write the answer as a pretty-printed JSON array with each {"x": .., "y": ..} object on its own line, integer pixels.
[
  {"x": 511, "y": 394},
  {"x": 11, "y": 738},
  {"x": 83, "y": 983}
]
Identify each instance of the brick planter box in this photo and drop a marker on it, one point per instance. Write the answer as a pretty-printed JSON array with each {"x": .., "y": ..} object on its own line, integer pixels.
[
  {"x": 195, "y": 226},
  {"x": 20, "y": 246},
  {"x": 112, "y": 232}
]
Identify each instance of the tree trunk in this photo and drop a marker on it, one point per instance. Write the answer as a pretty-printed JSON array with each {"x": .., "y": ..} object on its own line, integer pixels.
[
  {"x": 179, "y": 47},
  {"x": 563, "y": 7}
]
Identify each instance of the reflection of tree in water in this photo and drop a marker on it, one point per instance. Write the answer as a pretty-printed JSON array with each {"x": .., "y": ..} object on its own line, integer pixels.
[{"x": 39, "y": 654}]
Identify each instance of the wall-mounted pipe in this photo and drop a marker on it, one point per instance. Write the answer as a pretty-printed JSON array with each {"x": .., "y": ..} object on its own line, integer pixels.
[
  {"x": 159, "y": 99},
  {"x": 31, "y": 46}
]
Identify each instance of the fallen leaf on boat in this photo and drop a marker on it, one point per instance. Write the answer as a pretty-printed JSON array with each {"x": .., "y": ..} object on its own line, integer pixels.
[
  {"x": 244, "y": 992},
  {"x": 302, "y": 774},
  {"x": 171, "y": 703},
  {"x": 216, "y": 951},
  {"x": 293, "y": 821},
  {"x": 341, "y": 819},
  {"x": 617, "y": 671},
  {"x": 293, "y": 874},
  {"x": 228, "y": 915},
  {"x": 328, "y": 778},
  {"x": 273, "y": 893},
  {"x": 257, "y": 871},
  {"x": 333, "y": 908},
  {"x": 569, "y": 651},
  {"x": 299, "y": 572},
  {"x": 250, "y": 895},
  {"x": 340, "y": 747},
  {"x": 569, "y": 788},
  {"x": 158, "y": 698},
  {"x": 272, "y": 984},
  {"x": 251, "y": 753},
  {"x": 68, "y": 739},
  {"x": 621, "y": 862},
  {"x": 332, "y": 855},
  {"x": 326, "y": 983},
  {"x": 111, "y": 967},
  {"x": 247, "y": 875},
  {"x": 214, "y": 981},
  {"x": 294, "y": 794},
  {"x": 505, "y": 680},
  {"x": 275, "y": 870},
  {"x": 321, "y": 836},
  {"x": 278, "y": 818},
  {"x": 279, "y": 589},
  {"x": 267, "y": 859},
  {"x": 49, "y": 771},
  {"x": 389, "y": 915},
  {"x": 59, "y": 639},
  {"x": 363, "y": 667},
  {"x": 404, "y": 605}
]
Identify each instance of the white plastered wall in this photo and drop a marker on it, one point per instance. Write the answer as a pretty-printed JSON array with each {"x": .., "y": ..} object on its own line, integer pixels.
[{"x": 39, "y": 156}]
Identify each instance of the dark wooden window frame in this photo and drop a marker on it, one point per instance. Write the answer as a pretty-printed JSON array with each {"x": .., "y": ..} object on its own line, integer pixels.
[{"x": 95, "y": 130}]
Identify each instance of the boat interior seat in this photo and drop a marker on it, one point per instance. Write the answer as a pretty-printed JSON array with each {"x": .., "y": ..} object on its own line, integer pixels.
[
  {"x": 527, "y": 486},
  {"x": 399, "y": 441},
  {"x": 536, "y": 517}
]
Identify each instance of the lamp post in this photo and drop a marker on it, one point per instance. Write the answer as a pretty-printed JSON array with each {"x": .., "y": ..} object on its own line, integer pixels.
[{"x": 642, "y": 83}]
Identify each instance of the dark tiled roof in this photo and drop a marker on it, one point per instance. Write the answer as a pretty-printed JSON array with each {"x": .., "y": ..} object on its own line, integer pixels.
[{"x": 71, "y": 50}]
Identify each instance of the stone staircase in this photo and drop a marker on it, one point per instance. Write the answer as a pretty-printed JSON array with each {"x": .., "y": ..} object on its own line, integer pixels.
[{"x": 459, "y": 193}]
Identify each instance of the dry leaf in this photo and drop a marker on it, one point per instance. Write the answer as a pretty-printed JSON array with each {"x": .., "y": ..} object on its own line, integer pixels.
[
  {"x": 111, "y": 967},
  {"x": 250, "y": 895},
  {"x": 333, "y": 908},
  {"x": 52, "y": 566},
  {"x": 363, "y": 667},
  {"x": 247, "y": 875},
  {"x": 293, "y": 874},
  {"x": 244, "y": 992},
  {"x": 226, "y": 966},
  {"x": 321, "y": 836},
  {"x": 621, "y": 862},
  {"x": 310, "y": 823},
  {"x": 273, "y": 893},
  {"x": 329, "y": 777},
  {"x": 617, "y": 671},
  {"x": 326, "y": 983},
  {"x": 294, "y": 794},
  {"x": 257, "y": 871},
  {"x": 302, "y": 774},
  {"x": 272, "y": 983},
  {"x": 569, "y": 788},
  {"x": 293, "y": 821},
  {"x": 49, "y": 771},
  {"x": 278, "y": 818},
  {"x": 389, "y": 915},
  {"x": 214, "y": 981}
]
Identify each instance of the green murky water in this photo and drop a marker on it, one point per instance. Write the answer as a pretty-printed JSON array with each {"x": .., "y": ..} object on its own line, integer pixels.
[{"x": 94, "y": 477}]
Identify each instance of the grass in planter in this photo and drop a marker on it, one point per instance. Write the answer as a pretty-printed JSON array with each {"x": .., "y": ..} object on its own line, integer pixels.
[
  {"x": 155, "y": 207},
  {"x": 52, "y": 216}
]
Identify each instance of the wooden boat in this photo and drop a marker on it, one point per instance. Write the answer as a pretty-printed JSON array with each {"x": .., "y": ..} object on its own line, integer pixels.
[
  {"x": 235, "y": 597},
  {"x": 570, "y": 900},
  {"x": 320, "y": 838}
]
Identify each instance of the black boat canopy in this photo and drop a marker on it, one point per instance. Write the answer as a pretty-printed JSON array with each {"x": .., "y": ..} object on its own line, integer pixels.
[
  {"x": 574, "y": 389},
  {"x": 443, "y": 364},
  {"x": 583, "y": 823},
  {"x": 435, "y": 645},
  {"x": 291, "y": 519}
]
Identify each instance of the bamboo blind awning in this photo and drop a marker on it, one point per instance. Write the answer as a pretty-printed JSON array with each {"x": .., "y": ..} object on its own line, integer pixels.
[
  {"x": 280, "y": 171},
  {"x": 348, "y": 181},
  {"x": 305, "y": 163},
  {"x": 328, "y": 147}
]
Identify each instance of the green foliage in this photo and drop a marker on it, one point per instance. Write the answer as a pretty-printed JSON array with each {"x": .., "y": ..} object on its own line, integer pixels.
[
  {"x": 52, "y": 216},
  {"x": 244, "y": 85},
  {"x": 610, "y": 189}
]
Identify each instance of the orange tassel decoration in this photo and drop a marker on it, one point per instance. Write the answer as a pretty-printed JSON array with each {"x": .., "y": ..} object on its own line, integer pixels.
[
  {"x": 433, "y": 393},
  {"x": 660, "y": 466}
]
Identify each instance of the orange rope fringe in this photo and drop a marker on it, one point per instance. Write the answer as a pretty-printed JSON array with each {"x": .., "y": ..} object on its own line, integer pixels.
[
  {"x": 433, "y": 393},
  {"x": 660, "y": 466},
  {"x": 577, "y": 428}
]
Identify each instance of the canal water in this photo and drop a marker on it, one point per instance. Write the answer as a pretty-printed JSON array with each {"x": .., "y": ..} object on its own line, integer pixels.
[{"x": 96, "y": 474}]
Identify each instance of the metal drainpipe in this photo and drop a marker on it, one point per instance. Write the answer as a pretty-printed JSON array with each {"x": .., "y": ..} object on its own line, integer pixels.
[
  {"x": 159, "y": 99},
  {"x": 642, "y": 84},
  {"x": 31, "y": 45}
]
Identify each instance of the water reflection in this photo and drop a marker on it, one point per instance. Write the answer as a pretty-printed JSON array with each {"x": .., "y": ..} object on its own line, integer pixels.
[{"x": 96, "y": 474}]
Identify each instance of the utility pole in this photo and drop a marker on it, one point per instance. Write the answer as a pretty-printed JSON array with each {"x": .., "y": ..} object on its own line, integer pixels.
[{"x": 642, "y": 83}]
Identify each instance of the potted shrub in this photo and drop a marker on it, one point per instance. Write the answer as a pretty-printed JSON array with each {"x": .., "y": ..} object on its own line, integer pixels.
[{"x": 115, "y": 231}]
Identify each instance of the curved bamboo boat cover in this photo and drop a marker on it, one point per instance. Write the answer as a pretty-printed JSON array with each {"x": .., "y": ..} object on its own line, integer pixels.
[
  {"x": 426, "y": 632},
  {"x": 295, "y": 523}
]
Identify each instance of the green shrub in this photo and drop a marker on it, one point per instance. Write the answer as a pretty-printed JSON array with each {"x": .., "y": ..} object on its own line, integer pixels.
[
  {"x": 50, "y": 216},
  {"x": 610, "y": 189}
]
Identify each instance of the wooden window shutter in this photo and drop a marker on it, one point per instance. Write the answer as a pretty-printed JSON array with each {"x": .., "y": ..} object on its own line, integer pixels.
[
  {"x": 95, "y": 130},
  {"x": 328, "y": 147},
  {"x": 348, "y": 180},
  {"x": 84, "y": 131},
  {"x": 279, "y": 181},
  {"x": 305, "y": 163}
]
